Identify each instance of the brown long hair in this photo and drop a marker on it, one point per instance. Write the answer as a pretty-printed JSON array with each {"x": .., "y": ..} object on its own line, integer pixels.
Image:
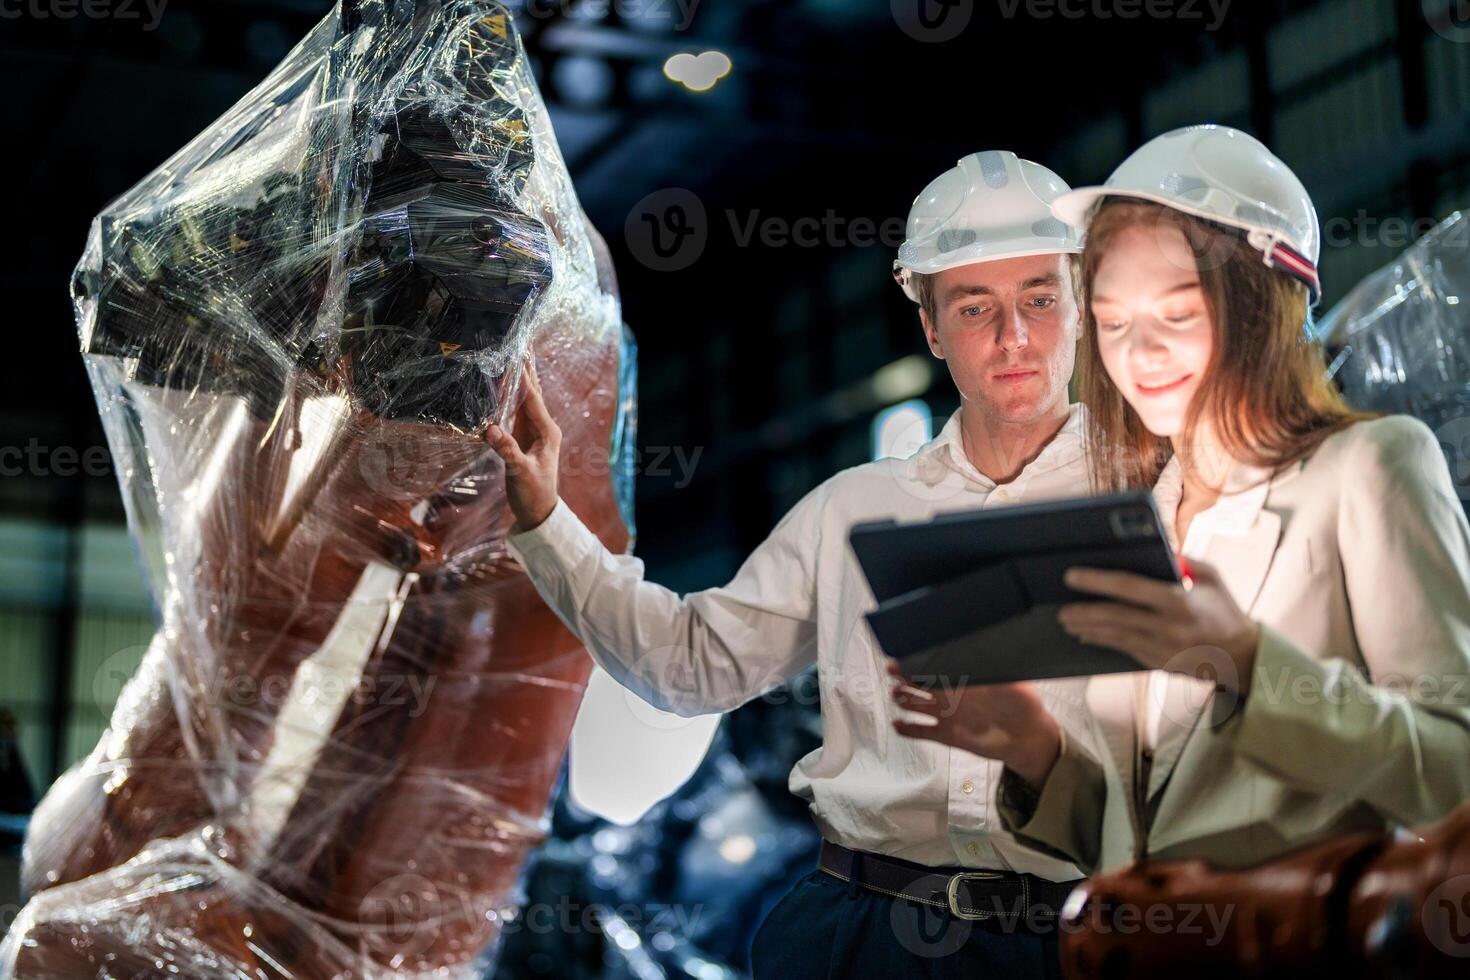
[{"x": 1266, "y": 389}]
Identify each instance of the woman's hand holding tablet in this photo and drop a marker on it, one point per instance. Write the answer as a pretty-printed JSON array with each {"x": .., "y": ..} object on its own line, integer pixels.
[{"x": 1167, "y": 626}]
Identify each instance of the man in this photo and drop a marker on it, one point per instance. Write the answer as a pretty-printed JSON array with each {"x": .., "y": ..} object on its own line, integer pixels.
[{"x": 902, "y": 817}]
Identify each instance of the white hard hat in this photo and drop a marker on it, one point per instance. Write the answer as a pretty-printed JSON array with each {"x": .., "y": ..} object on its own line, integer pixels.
[
  {"x": 1225, "y": 176},
  {"x": 991, "y": 205}
]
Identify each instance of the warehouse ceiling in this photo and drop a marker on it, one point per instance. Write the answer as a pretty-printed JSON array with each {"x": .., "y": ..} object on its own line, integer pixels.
[{"x": 832, "y": 108}]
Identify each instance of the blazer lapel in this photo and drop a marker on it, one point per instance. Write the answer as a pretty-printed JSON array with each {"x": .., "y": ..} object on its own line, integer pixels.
[
  {"x": 1184, "y": 699},
  {"x": 1242, "y": 561},
  {"x": 1110, "y": 699}
]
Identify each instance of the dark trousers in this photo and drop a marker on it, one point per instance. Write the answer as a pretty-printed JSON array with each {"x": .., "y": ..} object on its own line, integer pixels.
[{"x": 826, "y": 927}]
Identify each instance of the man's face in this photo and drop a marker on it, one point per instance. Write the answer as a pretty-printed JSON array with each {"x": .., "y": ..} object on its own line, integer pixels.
[{"x": 1008, "y": 330}]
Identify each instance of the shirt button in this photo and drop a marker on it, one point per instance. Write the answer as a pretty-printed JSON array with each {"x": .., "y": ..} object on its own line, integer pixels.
[
  {"x": 967, "y": 786},
  {"x": 1002, "y": 495},
  {"x": 973, "y": 848}
]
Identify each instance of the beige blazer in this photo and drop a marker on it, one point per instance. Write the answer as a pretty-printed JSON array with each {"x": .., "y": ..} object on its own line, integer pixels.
[{"x": 1356, "y": 561}]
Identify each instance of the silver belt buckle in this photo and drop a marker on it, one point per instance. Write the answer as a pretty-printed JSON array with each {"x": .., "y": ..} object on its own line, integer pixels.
[{"x": 953, "y": 891}]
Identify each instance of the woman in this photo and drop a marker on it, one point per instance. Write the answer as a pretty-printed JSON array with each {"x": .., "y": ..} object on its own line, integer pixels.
[{"x": 1327, "y": 595}]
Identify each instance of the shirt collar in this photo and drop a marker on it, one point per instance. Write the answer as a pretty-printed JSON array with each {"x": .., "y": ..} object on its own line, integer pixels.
[
  {"x": 948, "y": 449},
  {"x": 1233, "y": 513}
]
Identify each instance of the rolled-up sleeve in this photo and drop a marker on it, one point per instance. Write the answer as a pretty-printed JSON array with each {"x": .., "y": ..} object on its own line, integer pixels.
[
  {"x": 1397, "y": 738},
  {"x": 1065, "y": 818},
  {"x": 706, "y": 652}
]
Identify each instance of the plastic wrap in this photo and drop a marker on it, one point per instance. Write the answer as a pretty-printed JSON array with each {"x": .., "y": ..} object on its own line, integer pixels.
[
  {"x": 1400, "y": 340},
  {"x": 341, "y": 744}
]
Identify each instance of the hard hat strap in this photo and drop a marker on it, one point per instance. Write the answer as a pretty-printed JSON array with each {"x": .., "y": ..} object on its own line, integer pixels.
[{"x": 1279, "y": 255}]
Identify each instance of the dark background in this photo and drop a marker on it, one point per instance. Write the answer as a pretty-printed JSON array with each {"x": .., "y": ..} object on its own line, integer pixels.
[{"x": 758, "y": 356}]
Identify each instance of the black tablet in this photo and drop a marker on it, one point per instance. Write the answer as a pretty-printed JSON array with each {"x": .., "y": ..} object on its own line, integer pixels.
[{"x": 971, "y": 597}]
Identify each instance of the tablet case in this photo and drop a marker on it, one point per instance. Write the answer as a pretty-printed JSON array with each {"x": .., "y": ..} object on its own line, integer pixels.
[{"x": 971, "y": 597}]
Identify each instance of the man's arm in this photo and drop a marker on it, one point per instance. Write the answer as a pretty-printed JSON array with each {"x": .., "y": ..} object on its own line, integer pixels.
[{"x": 707, "y": 652}]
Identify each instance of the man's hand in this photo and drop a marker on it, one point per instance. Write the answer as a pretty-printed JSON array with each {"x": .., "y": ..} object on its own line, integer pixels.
[
  {"x": 530, "y": 456},
  {"x": 1005, "y": 722}
]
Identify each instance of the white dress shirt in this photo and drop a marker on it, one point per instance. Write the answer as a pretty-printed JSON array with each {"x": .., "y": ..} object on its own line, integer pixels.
[{"x": 799, "y": 600}]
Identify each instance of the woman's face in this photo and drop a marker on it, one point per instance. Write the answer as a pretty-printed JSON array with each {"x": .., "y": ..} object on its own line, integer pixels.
[{"x": 1154, "y": 330}]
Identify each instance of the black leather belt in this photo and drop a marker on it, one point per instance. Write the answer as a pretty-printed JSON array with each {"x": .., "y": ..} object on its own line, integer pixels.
[{"x": 967, "y": 893}]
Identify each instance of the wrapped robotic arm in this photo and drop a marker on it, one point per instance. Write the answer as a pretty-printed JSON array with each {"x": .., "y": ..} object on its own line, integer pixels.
[
  {"x": 340, "y": 746},
  {"x": 1368, "y": 906},
  {"x": 1400, "y": 340}
]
